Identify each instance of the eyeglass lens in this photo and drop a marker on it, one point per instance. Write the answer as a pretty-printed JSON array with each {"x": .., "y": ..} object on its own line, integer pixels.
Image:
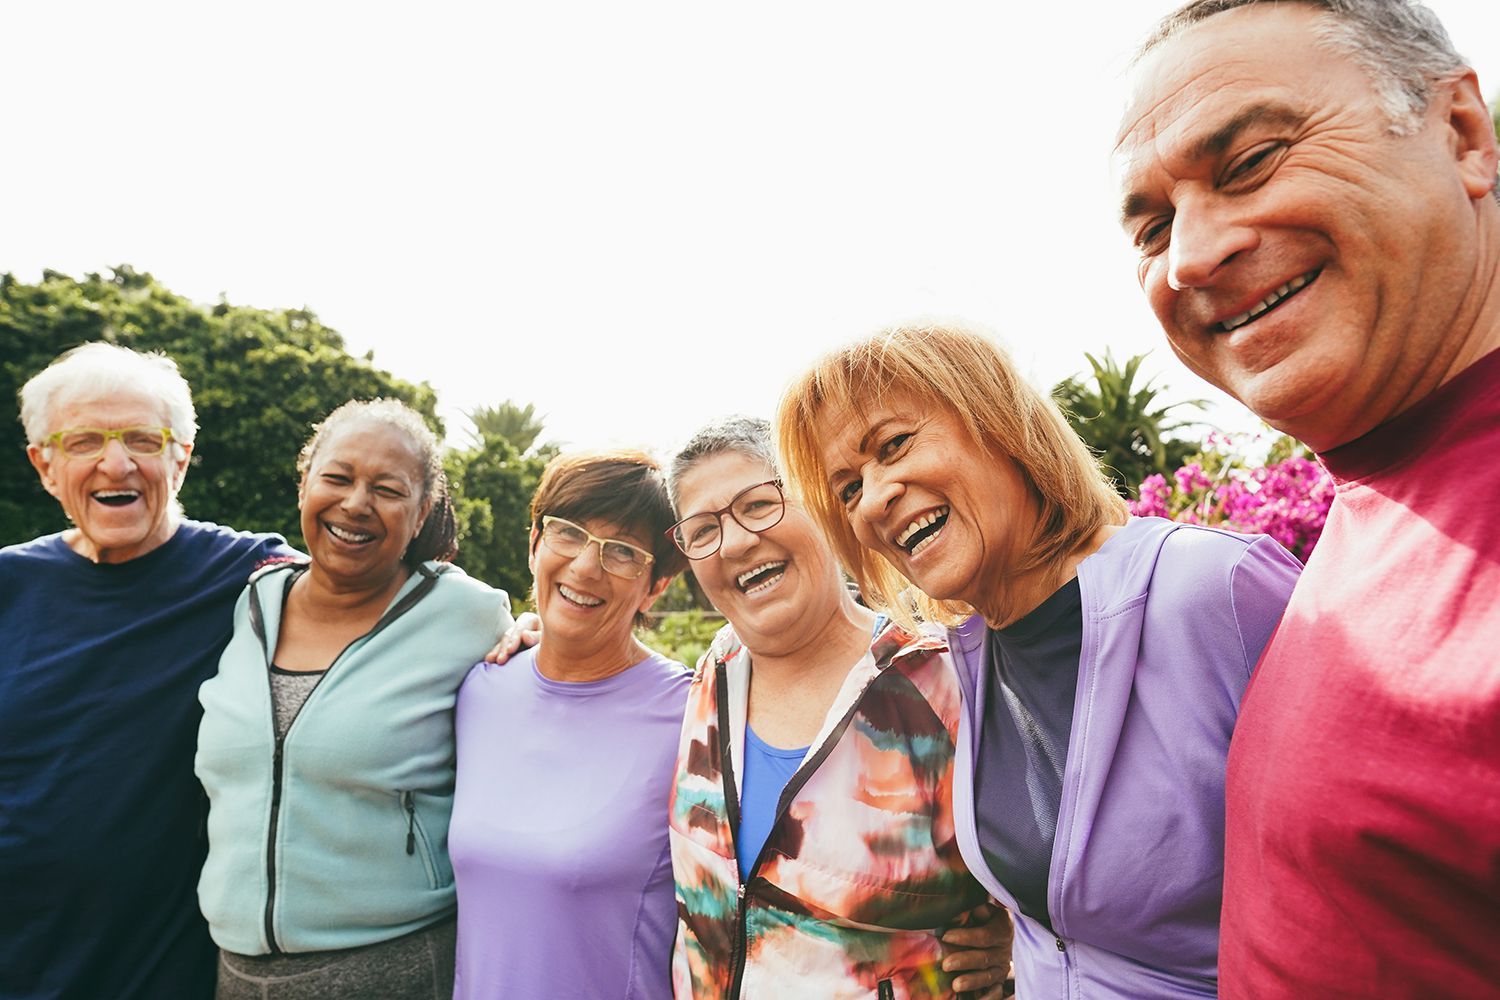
[
  {"x": 89, "y": 442},
  {"x": 756, "y": 509},
  {"x": 567, "y": 540}
]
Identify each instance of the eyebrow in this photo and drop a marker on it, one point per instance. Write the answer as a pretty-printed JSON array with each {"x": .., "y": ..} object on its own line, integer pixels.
[
  {"x": 873, "y": 431},
  {"x": 349, "y": 467},
  {"x": 1220, "y": 139},
  {"x": 864, "y": 443}
]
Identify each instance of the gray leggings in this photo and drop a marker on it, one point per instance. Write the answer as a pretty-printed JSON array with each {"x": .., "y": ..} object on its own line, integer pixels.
[{"x": 415, "y": 966}]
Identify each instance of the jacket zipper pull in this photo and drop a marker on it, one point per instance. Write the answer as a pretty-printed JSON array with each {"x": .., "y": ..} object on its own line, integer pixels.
[{"x": 411, "y": 823}]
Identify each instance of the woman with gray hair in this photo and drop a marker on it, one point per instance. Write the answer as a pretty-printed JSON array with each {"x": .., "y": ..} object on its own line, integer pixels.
[
  {"x": 109, "y": 628},
  {"x": 327, "y": 739},
  {"x": 812, "y": 823}
]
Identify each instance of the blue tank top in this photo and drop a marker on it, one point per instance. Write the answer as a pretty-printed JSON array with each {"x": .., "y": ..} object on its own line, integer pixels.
[{"x": 767, "y": 770}]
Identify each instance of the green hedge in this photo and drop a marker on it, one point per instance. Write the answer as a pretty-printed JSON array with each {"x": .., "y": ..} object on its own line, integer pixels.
[{"x": 683, "y": 635}]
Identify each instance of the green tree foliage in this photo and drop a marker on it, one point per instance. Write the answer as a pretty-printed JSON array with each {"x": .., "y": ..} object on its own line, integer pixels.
[
  {"x": 492, "y": 487},
  {"x": 683, "y": 594},
  {"x": 519, "y": 425},
  {"x": 1285, "y": 447},
  {"x": 1123, "y": 423},
  {"x": 683, "y": 636},
  {"x": 260, "y": 378}
]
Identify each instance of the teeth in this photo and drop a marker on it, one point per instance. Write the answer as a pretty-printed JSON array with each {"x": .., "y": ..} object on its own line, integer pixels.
[
  {"x": 749, "y": 574},
  {"x": 345, "y": 535},
  {"x": 919, "y": 524},
  {"x": 770, "y": 581},
  {"x": 1235, "y": 322},
  {"x": 925, "y": 542},
  {"x": 577, "y": 598},
  {"x": 111, "y": 494}
]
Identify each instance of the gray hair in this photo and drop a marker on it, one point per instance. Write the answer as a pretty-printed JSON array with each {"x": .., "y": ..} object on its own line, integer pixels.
[
  {"x": 1401, "y": 45},
  {"x": 738, "y": 435},
  {"x": 98, "y": 371},
  {"x": 438, "y": 538}
]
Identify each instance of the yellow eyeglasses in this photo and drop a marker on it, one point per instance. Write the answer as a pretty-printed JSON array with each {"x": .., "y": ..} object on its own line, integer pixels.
[{"x": 89, "y": 442}]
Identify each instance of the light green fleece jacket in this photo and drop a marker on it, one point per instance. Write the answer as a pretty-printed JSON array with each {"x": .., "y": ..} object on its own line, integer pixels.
[{"x": 336, "y": 835}]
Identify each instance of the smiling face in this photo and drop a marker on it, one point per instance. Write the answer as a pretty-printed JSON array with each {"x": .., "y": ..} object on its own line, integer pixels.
[
  {"x": 361, "y": 503},
  {"x": 122, "y": 505},
  {"x": 1296, "y": 252},
  {"x": 583, "y": 607},
  {"x": 952, "y": 519},
  {"x": 778, "y": 588}
]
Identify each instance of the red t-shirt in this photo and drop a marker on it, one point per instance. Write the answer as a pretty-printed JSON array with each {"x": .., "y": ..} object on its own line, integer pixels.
[{"x": 1363, "y": 839}]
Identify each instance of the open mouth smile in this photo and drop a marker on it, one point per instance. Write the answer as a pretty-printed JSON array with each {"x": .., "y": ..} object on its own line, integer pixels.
[
  {"x": 348, "y": 535},
  {"x": 116, "y": 498},
  {"x": 1268, "y": 303},
  {"x": 922, "y": 531},
  {"x": 762, "y": 577},
  {"x": 576, "y": 597}
]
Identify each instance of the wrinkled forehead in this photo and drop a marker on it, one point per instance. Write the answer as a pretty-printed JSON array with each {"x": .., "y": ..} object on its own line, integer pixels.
[
  {"x": 368, "y": 441},
  {"x": 840, "y": 427},
  {"x": 848, "y": 431},
  {"x": 86, "y": 409},
  {"x": 716, "y": 479},
  {"x": 1189, "y": 95}
]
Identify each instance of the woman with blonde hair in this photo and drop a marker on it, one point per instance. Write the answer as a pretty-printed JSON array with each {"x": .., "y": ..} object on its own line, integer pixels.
[{"x": 1102, "y": 657}]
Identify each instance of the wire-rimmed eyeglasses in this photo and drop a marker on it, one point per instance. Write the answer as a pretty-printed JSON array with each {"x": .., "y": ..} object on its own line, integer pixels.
[
  {"x": 754, "y": 508},
  {"x": 620, "y": 558}
]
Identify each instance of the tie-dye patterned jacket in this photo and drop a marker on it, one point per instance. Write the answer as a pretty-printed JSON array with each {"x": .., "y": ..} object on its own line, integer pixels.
[{"x": 861, "y": 867}]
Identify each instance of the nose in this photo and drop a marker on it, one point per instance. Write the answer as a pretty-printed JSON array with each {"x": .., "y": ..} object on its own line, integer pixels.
[
  {"x": 734, "y": 538},
  {"x": 356, "y": 498},
  {"x": 590, "y": 559},
  {"x": 116, "y": 461},
  {"x": 876, "y": 494},
  {"x": 1206, "y": 235}
]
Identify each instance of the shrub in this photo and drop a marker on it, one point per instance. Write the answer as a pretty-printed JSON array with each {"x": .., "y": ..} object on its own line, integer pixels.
[
  {"x": 683, "y": 635},
  {"x": 1287, "y": 499}
]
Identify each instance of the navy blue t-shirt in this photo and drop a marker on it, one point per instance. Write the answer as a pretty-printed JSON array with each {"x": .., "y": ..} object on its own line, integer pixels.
[{"x": 101, "y": 818}]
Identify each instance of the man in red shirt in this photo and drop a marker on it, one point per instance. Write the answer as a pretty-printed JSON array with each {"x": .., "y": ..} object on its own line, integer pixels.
[{"x": 1311, "y": 186}]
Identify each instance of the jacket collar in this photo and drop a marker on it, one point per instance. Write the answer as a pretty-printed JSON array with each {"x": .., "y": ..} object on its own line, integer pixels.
[{"x": 892, "y": 647}]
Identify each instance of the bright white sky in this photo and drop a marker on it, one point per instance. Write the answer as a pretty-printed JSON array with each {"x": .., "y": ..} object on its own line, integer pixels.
[{"x": 636, "y": 216}]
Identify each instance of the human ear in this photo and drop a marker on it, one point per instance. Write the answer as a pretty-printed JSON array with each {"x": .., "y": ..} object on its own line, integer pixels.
[
  {"x": 422, "y": 516},
  {"x": 180, "y": 464},
  {"x": 657, "y": 589},
  {"x": 43, "y": 465},
  {"x": 1473, "y": 136},
  {"x": 531, "y": 551}
]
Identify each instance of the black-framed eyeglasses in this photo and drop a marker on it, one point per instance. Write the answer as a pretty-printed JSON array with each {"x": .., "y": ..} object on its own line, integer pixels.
[
  {"x": 754, "y": 508},
  {"x": 620, "y": 558}
]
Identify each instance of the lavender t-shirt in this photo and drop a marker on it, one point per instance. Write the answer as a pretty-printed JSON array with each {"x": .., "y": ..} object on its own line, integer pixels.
[{"x": 559, "y": 832}]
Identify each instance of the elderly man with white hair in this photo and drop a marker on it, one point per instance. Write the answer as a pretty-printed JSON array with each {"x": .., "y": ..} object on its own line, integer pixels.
[{"x": 108, "y": 629}]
